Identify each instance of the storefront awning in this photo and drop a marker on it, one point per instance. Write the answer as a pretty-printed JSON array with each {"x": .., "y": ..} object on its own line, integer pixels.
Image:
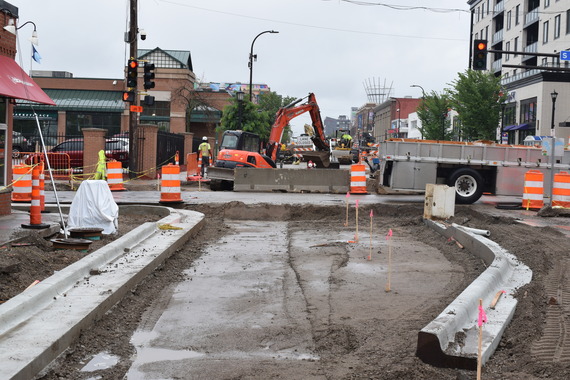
[
  {"x": 520, "y": 127},
  {"x": 15, "y": 83},
  {"x": 509, "y": 128}
]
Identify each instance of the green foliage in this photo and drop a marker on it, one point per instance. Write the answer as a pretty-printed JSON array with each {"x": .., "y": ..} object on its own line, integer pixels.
[
  {"x": 432, "y": 112},
  {"x": 271, "y": 102},
  {"x": 477, "y": 97},
  {"x": 252, "y": 118}
]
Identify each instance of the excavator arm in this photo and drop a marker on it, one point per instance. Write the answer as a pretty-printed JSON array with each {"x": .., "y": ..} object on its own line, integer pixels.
[{"x": 289, "y": 112}]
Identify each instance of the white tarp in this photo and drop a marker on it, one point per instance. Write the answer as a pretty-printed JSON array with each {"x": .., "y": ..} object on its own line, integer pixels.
[{"x": 94, "y": 207}]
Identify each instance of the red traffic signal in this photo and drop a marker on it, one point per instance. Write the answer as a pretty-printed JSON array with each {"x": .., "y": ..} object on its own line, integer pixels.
[
  {"x": 129, "y": 96},
  {"x": 132, "y": 73},
  {"x": 479, "y": 55}
]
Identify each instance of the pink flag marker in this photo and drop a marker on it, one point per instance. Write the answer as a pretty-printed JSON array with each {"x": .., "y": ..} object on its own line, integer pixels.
[
  {"x": 389, "y": 235},
  {"x": 482, "y": 317},
  {"x": 371, "y": 213},
  {"x": 347, "y": 194},
  {"x": 357, "y": 203}
]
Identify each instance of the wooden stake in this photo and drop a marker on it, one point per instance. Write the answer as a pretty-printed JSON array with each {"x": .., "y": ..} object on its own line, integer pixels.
[
  {"x": 480, "y": 320},
  {"x": 370, "y": 250},
  {"x": 356, "y": 234},
  {"x": 389, "y": 238},
  {"x": 347, "y": 198}
]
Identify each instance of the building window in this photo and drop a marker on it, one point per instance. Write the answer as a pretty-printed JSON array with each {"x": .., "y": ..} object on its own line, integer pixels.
[
  {"x": 483, "y": 10},
  {"x": 557, "y": 26},
  {"x": 508, "y": 47},
  {"x": 528, "y": 111},
  {"x": 568, "y": 21},
  {"x": 487, "y": 32},
  {"x": 544, "y": 62},
  {"x": 488, "y": 6},
  {"x": 517, "y": 14},
  {"x": 509, "y": 16},
  {"x": 477, "y": 15},
  {"x": 77, "y": 120},
  {"x": 476, "y": 36},
  {"x": 516, "y": 47},
  {"x": 545, "y": 32},
  {"x": 546, "y": 3}
]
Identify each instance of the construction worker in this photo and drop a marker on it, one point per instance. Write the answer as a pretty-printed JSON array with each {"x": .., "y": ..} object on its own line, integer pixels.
[
  {"x": 206, "y": 150},
  {"x": 347, "y": 140}
]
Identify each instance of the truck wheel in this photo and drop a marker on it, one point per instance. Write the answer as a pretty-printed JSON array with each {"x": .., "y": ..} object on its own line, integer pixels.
[{"x": 468, "y": 184}]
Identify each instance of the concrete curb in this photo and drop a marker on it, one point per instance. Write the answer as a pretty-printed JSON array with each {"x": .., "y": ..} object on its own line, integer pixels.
[
  {"x": 39, "y": 324},
  {"x": 451, "y": 340}
]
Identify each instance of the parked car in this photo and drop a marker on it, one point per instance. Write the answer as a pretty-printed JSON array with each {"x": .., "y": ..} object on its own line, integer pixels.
[
  {"x": 117, "y": 149},
  {"x": 19, "y": 144}
]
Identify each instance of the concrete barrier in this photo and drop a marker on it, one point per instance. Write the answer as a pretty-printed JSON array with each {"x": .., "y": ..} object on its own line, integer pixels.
[
  {"x": 451, "y": 340},
  {"x": 292, "y": 180}
]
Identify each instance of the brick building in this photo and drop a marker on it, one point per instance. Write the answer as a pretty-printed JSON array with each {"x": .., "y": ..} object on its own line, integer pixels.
[{"x": 391, "y": 117}]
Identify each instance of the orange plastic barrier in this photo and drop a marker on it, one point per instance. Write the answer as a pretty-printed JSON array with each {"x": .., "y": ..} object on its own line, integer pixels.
[
  {"x": 561, "y": 190},
  {"x": 22, "y": 183},
  {"x": 35, "y": 207},
  {"x": 358, "y": 179},
  {"x": 115, "y": 176},
  {"x": 170, "y": 184},
  {"x": 533, "y": 196},
  {"x": 192, "y": 169}
]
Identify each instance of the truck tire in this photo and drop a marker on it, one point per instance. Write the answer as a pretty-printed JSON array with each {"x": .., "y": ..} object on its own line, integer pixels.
[{"x": 468, "y": 184}]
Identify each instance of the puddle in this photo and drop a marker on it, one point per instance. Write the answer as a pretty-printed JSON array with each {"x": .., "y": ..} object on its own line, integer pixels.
[{"x": 102, "y": 360}]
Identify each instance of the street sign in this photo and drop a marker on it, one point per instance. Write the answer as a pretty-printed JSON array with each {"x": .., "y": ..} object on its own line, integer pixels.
[
  {"x": 565, "y": 55},
  {"x": 138, "y": 109}
]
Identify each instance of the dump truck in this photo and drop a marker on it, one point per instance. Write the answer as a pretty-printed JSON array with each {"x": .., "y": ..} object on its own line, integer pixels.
[{"x": 472, "y": 168}]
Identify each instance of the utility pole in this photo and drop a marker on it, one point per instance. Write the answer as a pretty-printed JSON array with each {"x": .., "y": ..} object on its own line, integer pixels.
[{"x": 133, "y": 140}]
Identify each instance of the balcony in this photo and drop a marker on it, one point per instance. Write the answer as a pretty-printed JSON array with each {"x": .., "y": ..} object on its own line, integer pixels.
[
  {"x": 530, "y": 48},
  {"x": 497, "y": 65},
  {"x": 497, "y": 37},
  {"x": 499, "y": 7},
  {"x": 531, "y": 17}
]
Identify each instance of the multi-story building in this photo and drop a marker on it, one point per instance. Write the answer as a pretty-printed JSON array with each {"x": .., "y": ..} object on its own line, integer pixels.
[
  {"x": 526, "y": 29},
  {"x": 332, "y": 125},
  {"x": 391, "y": 117}
]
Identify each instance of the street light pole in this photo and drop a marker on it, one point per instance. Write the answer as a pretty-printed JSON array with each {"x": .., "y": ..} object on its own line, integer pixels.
[
  {"x": 423, "y": 92},
  {"x": 239, "y": 97},
  {"x": 553, "y": 95},
  {"x": 250, "y": 64},
  {"x": 399, "y": 108}
]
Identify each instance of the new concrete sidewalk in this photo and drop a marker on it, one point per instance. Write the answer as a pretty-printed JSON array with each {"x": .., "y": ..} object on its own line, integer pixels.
[{"x": 40, "y": 323}]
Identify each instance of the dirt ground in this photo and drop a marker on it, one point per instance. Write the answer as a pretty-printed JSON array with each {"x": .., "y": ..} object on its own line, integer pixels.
[{"x": 373, "y": 350}]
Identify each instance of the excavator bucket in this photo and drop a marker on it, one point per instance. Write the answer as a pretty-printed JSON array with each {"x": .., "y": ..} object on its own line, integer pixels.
[{"x": 320, "y": 158}]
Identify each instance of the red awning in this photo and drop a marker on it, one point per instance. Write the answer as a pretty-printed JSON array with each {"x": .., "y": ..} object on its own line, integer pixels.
[{"x": 15, "y": 83}]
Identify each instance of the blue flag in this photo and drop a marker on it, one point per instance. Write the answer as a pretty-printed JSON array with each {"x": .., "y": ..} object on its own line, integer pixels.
[{"x": 35, "y": 55}]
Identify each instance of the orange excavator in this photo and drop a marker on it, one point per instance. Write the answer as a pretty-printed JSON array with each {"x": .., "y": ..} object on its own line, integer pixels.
[{"x": 241, "y": 149}]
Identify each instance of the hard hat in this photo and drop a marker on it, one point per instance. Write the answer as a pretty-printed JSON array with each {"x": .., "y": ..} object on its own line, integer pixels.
[{"x": 204, "y": 138}]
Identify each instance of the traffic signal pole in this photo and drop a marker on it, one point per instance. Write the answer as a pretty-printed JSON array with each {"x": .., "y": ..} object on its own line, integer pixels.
[{"x": 134, "y": 168}]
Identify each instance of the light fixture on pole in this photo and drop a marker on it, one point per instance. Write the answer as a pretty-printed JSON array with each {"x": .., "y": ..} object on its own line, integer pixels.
[
  {"x": 553, "y": 95},
  {"x": 423, "y": 92},
  {"x": 250, "y": 64},
  {"x": 12, "y": 29}
]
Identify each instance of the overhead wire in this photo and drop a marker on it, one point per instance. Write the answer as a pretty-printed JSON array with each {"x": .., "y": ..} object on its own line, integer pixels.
[{"x": 178, "y": 3}]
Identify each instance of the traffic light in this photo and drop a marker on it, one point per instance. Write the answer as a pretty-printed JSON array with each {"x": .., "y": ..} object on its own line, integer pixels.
[
  {"x": 129, "y": 96},
  {"x": 148, "y": 76},
  {"x": 132, "y": 73},
  {"x": 480, "y": 55},
  {"x": 149, "y": 100}
]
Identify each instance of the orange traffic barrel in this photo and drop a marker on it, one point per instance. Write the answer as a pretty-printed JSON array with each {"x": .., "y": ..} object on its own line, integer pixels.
[
  {"x": 22, "y": 183},
  {"x": 533, "y": 195},
  {"x": 170, "y": 184},
  {"x": 35, "y": 207},
  {"x": 561, "y": 190},
  {"x": 115, "y": 176},
  {"x": 358, "y": 179}
]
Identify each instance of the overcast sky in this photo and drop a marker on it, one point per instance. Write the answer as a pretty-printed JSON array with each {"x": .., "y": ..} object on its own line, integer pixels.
[{"x": 333, "y": 48}]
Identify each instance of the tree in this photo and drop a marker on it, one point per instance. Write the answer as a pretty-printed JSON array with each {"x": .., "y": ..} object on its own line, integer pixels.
[
  {"x": 271, "y": 102},
  {"x": 477, "y": 98},
  {"x": 194, "y": 100},
  {"x": 432, "y": 112},
  {"x": 249, "y": 118}
]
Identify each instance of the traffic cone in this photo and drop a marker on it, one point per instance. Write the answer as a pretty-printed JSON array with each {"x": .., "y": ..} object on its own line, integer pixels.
[{"x": 35, "y": 208}]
